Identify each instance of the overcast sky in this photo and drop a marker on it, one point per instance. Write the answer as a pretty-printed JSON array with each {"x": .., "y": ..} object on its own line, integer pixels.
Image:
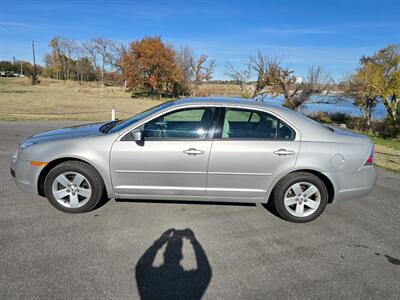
[{"x": 333, "y": 34}]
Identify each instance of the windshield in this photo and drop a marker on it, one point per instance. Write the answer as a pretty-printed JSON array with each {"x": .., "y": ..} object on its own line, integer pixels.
[{"x": 117, "y": 126}]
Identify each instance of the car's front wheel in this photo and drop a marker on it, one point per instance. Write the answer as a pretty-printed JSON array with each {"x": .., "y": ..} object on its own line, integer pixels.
[
  {"x": 74, "y": 187},
  {"x": 300, "y": 197}
]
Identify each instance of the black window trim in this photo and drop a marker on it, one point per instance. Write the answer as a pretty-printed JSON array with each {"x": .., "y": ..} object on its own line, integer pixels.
[{"x": 220, "y": 122}]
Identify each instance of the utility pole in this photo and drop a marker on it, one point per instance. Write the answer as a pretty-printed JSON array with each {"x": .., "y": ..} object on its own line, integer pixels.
[
  {"x": 33, "y": 53},
  {"x": 22, "y": 72},
  {"x": 35, "y": 75}
]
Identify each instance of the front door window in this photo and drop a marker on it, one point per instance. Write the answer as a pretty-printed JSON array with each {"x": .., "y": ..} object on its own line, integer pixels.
[{"x": 192, "y": 123}]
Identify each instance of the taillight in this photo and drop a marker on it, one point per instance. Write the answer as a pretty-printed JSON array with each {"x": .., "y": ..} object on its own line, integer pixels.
[{"x": 370, "y": 160}]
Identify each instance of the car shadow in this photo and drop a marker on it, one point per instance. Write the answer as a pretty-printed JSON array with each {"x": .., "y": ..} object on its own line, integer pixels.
[
  {"x": 170, "y": 280},
  {"x": 103, "y": 201},
  {"x": 270, "y": 207}
]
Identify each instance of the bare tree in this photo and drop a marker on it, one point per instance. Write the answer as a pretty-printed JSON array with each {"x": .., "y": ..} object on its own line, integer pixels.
[
  {"x": 297, "y": 93},
  {"x": 90, "y": 50},
  {"x": 183, "y": 60},
  {"x": 102, "y": 49},
  {"x": 118, "y": 52},
  {"x": 273, "y": 79},
  {"x": 267, "y": 69},
  {"x": 240, "y": 76},
  {"x": 68, "y": 48},
  {"x": 202, "y": 71},
  {"x": 85, "y": 70}
]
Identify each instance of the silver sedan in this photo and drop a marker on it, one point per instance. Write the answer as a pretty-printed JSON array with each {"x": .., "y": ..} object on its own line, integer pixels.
[{"x": 230, "y": 150}]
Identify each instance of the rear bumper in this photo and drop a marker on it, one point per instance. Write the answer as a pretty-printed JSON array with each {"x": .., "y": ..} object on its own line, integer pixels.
[
  {"x": 24, "y": 175},
  {"x": 353, "y": 185}
]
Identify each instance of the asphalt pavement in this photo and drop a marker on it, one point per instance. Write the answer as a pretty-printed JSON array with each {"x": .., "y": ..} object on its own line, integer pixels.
[{"x": 133, "y": 249}]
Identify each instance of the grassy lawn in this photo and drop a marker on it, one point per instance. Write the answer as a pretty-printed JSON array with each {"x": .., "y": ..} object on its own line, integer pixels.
[
  {"x": 387, "y": 153},
  {"x": 58, "y": 100},
  {"x": 390, "y": 143},
  {"x": 68, "y": 100}
]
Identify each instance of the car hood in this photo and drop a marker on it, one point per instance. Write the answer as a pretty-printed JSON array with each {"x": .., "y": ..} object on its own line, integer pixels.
[{"x": 67, "y": 133}]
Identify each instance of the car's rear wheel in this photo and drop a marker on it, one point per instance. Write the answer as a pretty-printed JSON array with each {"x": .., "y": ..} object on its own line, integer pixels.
[
  {"x": 74, "y": 187},
  {"x": 300, "y": 197}
]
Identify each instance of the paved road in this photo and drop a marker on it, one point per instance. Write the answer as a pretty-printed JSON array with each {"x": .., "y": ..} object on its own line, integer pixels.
[{"x": 243, "y": 252}]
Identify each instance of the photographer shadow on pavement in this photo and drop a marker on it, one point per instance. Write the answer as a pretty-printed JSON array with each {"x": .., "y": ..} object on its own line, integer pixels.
[{"x": 171, "y": 280}]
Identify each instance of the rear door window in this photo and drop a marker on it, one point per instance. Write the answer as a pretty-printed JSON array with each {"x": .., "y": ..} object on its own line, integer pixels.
[{"x": 250, "y": 124}]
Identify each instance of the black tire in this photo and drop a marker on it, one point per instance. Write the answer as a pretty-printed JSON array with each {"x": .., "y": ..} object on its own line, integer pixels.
[
  {"x": 285, "y": 183},
  {"x": 98, "y": 191}
]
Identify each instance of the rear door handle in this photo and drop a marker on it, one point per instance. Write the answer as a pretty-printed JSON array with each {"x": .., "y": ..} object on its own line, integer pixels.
[
  {"x": 283, "y": 152},
  {"x": 193, "y": 151}
]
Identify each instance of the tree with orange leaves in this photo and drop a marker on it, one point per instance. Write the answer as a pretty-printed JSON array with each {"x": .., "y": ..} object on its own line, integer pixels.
[{"x": 150, "y": 67}]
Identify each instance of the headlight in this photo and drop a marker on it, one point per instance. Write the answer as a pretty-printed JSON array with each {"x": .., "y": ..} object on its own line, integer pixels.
[
  {"x": 14, "y": 158},
  {"x": 25, "y": 145}
]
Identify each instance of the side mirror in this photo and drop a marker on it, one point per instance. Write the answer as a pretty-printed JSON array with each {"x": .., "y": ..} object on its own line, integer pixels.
[{"x": 137, "y": 135}]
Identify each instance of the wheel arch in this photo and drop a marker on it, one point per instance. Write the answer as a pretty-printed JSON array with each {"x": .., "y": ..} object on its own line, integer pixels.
[
  {"x": 45, "y": 171},
  {"x": 325, "y": 179}
]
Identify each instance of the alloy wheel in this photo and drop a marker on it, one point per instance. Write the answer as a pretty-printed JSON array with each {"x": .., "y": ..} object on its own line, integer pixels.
[
  {"x": 302, "y": 199},
  {"x": 71, "y": 189}
]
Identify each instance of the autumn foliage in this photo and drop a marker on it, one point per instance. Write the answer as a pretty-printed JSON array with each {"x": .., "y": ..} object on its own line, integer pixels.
[{"x": 150, "y": 67}]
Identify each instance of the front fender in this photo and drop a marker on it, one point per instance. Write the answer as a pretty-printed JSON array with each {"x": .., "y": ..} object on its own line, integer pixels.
[{"x": 95, "y": 151}]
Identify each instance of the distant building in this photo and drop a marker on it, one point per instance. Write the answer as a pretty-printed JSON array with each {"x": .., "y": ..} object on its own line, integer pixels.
[{"x": 299, "y": 80}]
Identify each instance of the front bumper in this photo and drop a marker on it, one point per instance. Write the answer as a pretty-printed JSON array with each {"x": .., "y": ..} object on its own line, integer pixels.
[
  {"x": 353, "y": 185},
  {"x": 25, "y": 175}
]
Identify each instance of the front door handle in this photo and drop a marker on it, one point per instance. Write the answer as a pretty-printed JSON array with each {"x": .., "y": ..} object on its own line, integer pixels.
[
  {"x": 193, "y": 151},
  {"x": 283, "y": 152}
]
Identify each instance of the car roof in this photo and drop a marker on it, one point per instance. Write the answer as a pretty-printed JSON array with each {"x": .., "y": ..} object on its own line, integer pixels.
[
  {"x": 221, "y": 100},
  {"x": 250, "y": 103}
]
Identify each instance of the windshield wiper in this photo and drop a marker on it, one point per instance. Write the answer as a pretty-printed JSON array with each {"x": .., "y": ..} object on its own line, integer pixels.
[{"x": 107, "y": 127}]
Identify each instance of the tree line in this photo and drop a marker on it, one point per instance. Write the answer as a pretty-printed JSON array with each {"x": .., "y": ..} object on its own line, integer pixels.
[
  {"x": 21, "y": 67},
  {"x": 146, "y": 67},
  {"x": 151, "y": 67}
]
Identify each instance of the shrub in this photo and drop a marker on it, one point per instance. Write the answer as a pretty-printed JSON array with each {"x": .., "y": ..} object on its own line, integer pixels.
[
  {"x": 386, "y": 129},
  {"x": 340, "y": 117},
  {"x": 321, "y": 117},
  {"x": 357, "y": 123}
]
